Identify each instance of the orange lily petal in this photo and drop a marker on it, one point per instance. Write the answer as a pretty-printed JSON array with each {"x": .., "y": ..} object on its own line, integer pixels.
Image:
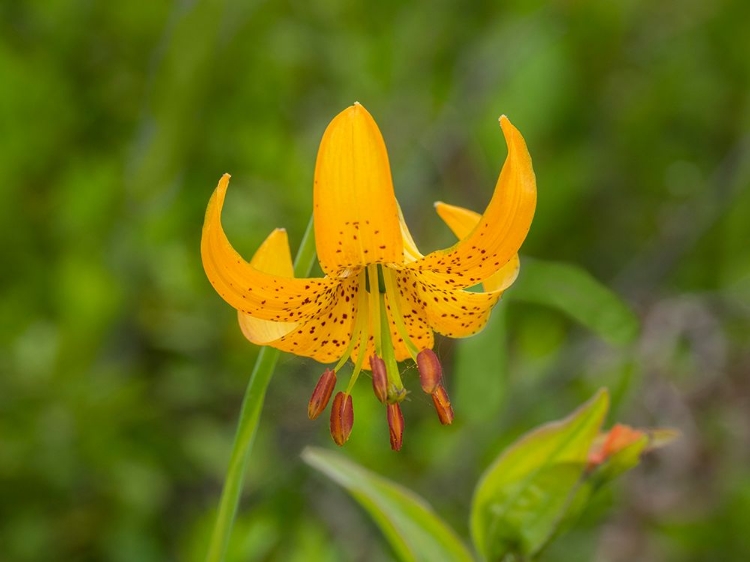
[
  {"x": 250, "y": 290},
  {"x": 453, "y": 313},
  {"x": 273, "y": 257},
  {"x": 325, "y": 338},
  {"x": 411, "y": 252},
  {"x": 503, "y": 277},
  {"x": 355, "y": 210},
  {"x": 462, "y": 221},
  {"x": 502, "y": 228}
]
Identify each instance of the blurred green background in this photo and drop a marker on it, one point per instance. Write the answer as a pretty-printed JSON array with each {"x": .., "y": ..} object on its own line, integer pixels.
[{"x": 122, "y": 372}]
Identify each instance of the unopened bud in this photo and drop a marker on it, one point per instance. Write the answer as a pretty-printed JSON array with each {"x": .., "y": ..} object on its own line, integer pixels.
[
  {"x": 342, "y": 418},
  {"x": 612, "y": 442},
  {"x": 430, "y": 371},
  {"x": 379, "y": 378},
  {"x": 322, "y": 394},
  {"x": 396, "y": 426},
  {"x": 443, "y": 405}
]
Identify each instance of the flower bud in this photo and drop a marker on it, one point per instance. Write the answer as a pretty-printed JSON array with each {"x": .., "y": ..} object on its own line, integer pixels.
[
  {"x": 342, "y": 418},
  {"x": 612, "y": 442},
  {"x": 379, "y": 378},
  {"x": 322, "y": 394},
  {"x": 396, "y": 426},
  {"x": 430, "y": 371},
  {"x": 443, "y": 405}
]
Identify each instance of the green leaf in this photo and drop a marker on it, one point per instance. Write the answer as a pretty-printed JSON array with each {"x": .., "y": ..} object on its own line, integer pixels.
[
  {"x": 415, "y": 532},
  {"x": 576, "y": 293},
  {"x": 533, "y": 485}
]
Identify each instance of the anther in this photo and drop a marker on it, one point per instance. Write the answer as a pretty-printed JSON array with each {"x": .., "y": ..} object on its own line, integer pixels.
[
  {"x": 322, "y": 394},
  {"x": 379, "y": 378},
  {"x": 396, "y": 426},
  {"x": 443, "y": 405},
  {"x": 430, "y": 371},
  {"x": 342, "y": 418}
]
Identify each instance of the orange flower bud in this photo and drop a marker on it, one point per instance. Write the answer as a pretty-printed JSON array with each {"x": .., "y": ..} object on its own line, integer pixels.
[
  {"x": 322, "y": 394},
  {"x": 430, "y": 371},
  {"x": 607, "y": 444},
  {"x": 342, "y": 418},
  {"x": 396, "y": 426},
  {"x": 443, "y": 405},
  {"x": 379, "y": 378}
]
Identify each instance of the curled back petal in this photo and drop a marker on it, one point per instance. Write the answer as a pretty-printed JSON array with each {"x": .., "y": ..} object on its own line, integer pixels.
[
  {"x": 272, "y": 257},
  {"x": 250, "y": 290},
  {"x": 326, "y": 337},
  {"x": 451, "y": 312},
  {"x": 355, "y": 210},
  {"x": 263, "y": 332},
  {"x": 461, "y": 221},
  {"x": 411, "y": 252},
  {"x": 503, "y": 277},
  {"x": 502, "y": 228}
]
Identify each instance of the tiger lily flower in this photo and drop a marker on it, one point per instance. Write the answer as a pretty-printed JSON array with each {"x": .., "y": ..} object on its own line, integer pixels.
[{"x": 381, "y": 300}]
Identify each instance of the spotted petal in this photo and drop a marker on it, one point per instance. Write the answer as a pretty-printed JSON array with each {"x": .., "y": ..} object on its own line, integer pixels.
[
  {"x": 452, "y": 312},
  {"x": 461, "y": 221},
  {"x": 355, "y": 209},
  {"x": 502, "y": 228},
  {"x": 326, "y": 337},
  {"x": 273, "y": 257},
  {"x": 250, "y": 290}
]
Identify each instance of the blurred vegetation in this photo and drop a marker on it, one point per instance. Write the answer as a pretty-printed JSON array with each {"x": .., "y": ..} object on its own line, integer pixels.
[{"x": 121, "y": 371}]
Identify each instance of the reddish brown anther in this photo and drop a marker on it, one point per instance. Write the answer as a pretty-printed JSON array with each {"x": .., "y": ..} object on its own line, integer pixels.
[
  {"x": 379, "y": 378},
  {"x": 396, "y": 426},
  {"x": 443, "y": 405},
  {"x": 342, "y": 418},
  {"x": 430, "y": 371},
  {"x": 322, "y": 394}
]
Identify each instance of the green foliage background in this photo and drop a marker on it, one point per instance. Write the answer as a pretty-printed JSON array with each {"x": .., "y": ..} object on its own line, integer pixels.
[{"x": 121, "y": 371}]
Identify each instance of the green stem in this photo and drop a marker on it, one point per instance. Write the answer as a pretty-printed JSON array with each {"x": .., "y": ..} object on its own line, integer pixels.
[{"x": 252, "y": 404}]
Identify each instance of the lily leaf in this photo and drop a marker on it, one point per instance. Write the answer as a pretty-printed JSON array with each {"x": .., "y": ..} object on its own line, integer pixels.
[
  {"x": 535, "y": 484},
  {"x": 415, "y": 532},
  {"x": 578, "y": 294}
]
